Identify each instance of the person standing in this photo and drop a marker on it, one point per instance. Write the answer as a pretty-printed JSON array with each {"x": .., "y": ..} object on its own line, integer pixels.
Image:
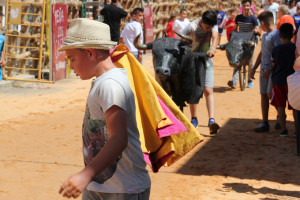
[
  {"x": 181, "y": 23},
  {"x": 268, "y": 41},
  {"x": 112, "y": 17},
  {"x": 169, "y": 29},
  {"x": 132, "y": 30},
  {"x": 272, "y": 7},
  {"x": 204, "y": 32},
  {"x": 230, "y": 23},
  {"x": 283, "y": 58},
  {"x": 245, "y": 22},
  {"x": 114, "y": 163},
  {"x": 221, "y": 17}
]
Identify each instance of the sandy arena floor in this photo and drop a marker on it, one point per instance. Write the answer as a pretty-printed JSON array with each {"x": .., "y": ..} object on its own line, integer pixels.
[{"x": 40, "y": 145}]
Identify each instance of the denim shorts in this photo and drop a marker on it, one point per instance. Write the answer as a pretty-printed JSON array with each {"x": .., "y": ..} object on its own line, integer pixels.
[
  {"x": 92, "y": 195},
  {"x": 265, "y": 84},
  {"x": 209, "y": 77}
]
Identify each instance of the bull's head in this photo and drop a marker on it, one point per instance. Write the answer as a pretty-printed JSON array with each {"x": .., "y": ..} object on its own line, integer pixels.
[
  {"x": 239, "y": 49},
  {"x": 238, "y": 52},
  {"x": 167, "y": 53}
]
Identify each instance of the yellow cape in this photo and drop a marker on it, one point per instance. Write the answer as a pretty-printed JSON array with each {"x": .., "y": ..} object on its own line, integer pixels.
[{"x": 150, "y": 116}]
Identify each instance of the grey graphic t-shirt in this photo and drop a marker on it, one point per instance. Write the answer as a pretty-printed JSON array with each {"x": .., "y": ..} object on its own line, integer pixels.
[
  {"x": 201, "y": 39},
  {"x": 127, "y": 174}
]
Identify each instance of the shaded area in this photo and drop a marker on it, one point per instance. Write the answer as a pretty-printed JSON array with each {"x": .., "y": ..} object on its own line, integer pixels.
[
  {"x": 245, "y": 188},
  {"x": 222, "y": 89},
  {"x": 259, "y": 156}
]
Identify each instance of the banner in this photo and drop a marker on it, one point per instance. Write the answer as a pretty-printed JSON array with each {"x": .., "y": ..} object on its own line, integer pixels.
[
  {"x": 59, "y": 30},
  {"x": 148, "y": 26}
]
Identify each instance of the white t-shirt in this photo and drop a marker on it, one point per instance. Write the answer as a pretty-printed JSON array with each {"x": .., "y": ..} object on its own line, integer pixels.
[
  {"x": 273, "y": 9},
  {"x": 179, "y": 25},
  {"x": 130, "y": 32},
  {"x": 127, "y": 174}
]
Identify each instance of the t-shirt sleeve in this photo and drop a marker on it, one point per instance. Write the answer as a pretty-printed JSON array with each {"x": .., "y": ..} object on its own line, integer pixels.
[
  {"x": 123, "y": 13},
  {"x": 111, "y": 93},
  {"x": 254, "y": 21}
]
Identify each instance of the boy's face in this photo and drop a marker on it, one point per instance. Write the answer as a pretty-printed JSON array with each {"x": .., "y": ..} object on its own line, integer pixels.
[
  {"x": 262, "y": 26},
  {"x": 183, "y": 15},
  {"x": 138, "y": 17},
  {"x": 233, "y": 15},
  {"x": 220, "y": 7},
  {"x": 298, "y": 11},
  {"x": 246, "y": 8},
  {"x": 80, "y": 62},
  {"x": 270, "y": 2},
  {"x": 205, "y": 27}
]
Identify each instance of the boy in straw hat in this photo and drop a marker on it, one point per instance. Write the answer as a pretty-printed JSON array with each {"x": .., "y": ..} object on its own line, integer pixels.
[{"x": 114, "y": 163}]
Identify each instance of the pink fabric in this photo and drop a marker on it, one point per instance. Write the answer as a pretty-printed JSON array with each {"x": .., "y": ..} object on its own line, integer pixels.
[
  {"x": 176, "y": 127},
  {"x": 156, "y": 165}
]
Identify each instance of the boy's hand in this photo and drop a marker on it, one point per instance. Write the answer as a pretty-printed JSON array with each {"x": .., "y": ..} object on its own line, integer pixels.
[
  {"x": 74, "y": 185},
  {"x": 2, "y": 63},
  {"x": 252, "y": 74},
  {"x": 211, "y": 53},
  {"x": 266, "y": 74}
]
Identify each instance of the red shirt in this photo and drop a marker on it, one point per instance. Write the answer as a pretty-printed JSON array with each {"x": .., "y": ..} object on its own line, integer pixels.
[
  {"x": 169, "y": 30},
  {"x": 229, "y": 29}
]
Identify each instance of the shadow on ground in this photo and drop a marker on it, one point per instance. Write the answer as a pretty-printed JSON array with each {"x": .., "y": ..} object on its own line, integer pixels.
[
  {"x": 245, "y": 188},
  {"x": 237, "y": 151}
]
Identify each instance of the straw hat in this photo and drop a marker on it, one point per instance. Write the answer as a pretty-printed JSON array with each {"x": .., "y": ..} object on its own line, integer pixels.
[{"x": 85, "y": 33}]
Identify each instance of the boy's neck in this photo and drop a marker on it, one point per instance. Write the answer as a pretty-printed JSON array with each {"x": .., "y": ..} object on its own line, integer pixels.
[{"x": 270, "y": 29}]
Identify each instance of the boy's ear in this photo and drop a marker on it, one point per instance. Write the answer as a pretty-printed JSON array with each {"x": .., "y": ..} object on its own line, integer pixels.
[{"x": 91, "y": 53}]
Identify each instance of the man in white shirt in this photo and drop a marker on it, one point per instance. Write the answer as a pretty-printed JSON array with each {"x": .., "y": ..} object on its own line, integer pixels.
[
  {"x": 272, "y": 7},
  {"x": 132, "y": 30},
  {"x": 181, "y": 23}
]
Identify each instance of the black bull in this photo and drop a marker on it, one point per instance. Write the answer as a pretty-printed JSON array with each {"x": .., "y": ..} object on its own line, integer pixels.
[
  {"x": 240, "y": 48},
  {"x": 180, "y": 72}
]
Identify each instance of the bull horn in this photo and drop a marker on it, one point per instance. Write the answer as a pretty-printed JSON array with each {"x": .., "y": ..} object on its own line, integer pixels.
[
  {"x": 185, "y": 37},
  {"x": 141, "y": 46},
  {"x": 165, "y": 34}
]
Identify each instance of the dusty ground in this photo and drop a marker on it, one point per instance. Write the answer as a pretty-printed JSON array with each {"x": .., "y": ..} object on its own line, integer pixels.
[{"x": 40, "y": 145}]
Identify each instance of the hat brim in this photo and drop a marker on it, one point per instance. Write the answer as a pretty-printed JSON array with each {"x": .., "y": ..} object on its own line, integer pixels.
[{"x": 88, "y": 45}]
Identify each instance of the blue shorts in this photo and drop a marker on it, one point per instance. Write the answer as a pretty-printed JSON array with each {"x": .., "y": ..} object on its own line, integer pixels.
[{"x": 220, "y": 30}]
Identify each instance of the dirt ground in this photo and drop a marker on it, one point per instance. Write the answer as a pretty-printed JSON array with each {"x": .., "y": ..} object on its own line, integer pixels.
[{"x": 40, "y": 145}]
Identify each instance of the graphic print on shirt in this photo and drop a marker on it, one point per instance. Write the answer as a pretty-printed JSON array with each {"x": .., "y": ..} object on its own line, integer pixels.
[{"x": 95, "y": 135}]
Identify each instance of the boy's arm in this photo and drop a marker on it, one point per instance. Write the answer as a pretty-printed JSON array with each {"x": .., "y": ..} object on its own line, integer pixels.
[
  {"x": 257, "y": 63},
  {"x": 2, "y": 61},
  {"x": 214, "y": 43},
  {"x": 118, "y": 137},
  {"x": 223, "y": 22}
]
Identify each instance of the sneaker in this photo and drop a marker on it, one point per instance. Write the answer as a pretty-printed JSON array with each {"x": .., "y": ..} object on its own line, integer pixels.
[
  {"x": 284, "y": 133},
  {"x": 250, "y": 84},
  {"x": 277, "y": 124},
  {"x": 194, "y": 121},
  {"x": 262, "y": 127},
  {"x": 213, "y": 126},
  {"x": 231, "y": 84}
]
